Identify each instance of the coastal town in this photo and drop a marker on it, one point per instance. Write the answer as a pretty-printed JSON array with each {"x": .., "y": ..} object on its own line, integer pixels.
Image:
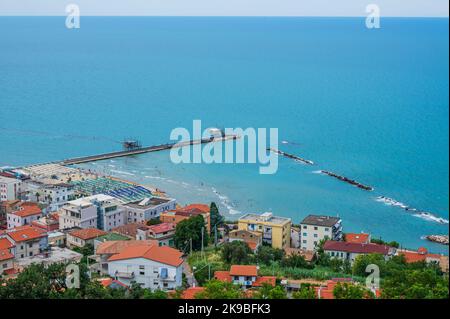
[{"x": 134, "y": 241}]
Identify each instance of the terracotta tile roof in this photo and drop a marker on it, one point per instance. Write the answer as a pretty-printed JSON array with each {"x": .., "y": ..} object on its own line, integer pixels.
[
  {"x": 128, "y": 229},
  {"x": 420, "y": 255},
  {"x": 107, "y": 282},
  {"x": 27, "y": 209},
  {"x": 244, "y": 270},
  {"x": 252, "y": 245},
  {"x": 116, "y": 246},
  {"x": 357, "y": 238},
  {"x": 271, "y": 280},
  {"x": 202, "y": 207},
  {"x": 356, "y": 248},
  {"x": 24, "y": 233},
  {"x": 165, "y": 255},
  {"x": 5, "y": 244},
  {"x": 190, "y": 292},
  {"x": 222, "y": 275},
  {"x": 5, "y": 255},
  {"x": 161, "y": 228},
  {"x": 87, "y": 233},
  {"x": 307, "y": 254}
]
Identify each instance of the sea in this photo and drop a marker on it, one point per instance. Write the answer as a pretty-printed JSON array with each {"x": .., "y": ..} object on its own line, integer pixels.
[{"x": 368, "y": 104}]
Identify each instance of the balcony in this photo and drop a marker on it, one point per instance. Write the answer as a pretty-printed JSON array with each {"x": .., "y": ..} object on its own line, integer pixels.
[{"x": 126, "y": 275}]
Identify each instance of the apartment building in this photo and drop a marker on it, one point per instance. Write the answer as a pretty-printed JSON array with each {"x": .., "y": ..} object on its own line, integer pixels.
[
  {"x": 28, "y": 241},
  {"x": 100, "y": 211},
  {"x": 82, "y": 237},
  {"x": 53, "y": 195},
  {"x": 162, "y": 233},
  {"x": 148, "y": 208},
  {"x": 24, "y": 214},
  {"x": 10, "y": 188},
  {"x": 186, "y": 212},
  {"x": 276, "y": 231},
  {"x": 315, "y": 228},
  {"x": 151, "y": 266}
]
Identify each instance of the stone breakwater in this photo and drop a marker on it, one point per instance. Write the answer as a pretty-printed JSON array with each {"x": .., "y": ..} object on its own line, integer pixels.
[{"x": 440, "y": 239}]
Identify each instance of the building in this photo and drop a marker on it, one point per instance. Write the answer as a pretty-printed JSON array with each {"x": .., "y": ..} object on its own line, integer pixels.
[
  {"x": 10, "y": 188},
  {"x": 149, "y": 208},
  {"x": 191, "y": 292},
  {"x": 251, "y": 238},
  {"x": 5, "y": 208},
  {"x": 151, "y": 266},
  {"x": 245, "y": 276},
  {"x": 82, "y": 237},
  {"x": 6, "y": 260},
  {"x": 100, "y": 211},
  {"x": 53, "y": 195},
  {"x": 104, "y": 250},
  {"x": 163, "y": 233},
  {"x": 48, "y": 223},
  {"x": 307, "y": 254},
  {"x": 28, "y": 241},
  {"x": 186, "y": 212},
  {"x": 56, "y": 239},
  {"x": 349, "y": 251},
  {"x": 24, "y": 214},
  {"x": 276, "y": 231},
  {"x": 360, "y": 238},
  {"x": 129, "y": 230},
  {"x": 315, "y": 228},
  {"x": 422, "y": 255}
]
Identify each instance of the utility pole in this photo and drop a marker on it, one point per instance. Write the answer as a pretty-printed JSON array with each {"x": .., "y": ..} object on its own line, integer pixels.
[
  {"x": 203, "y": 229},
  {"x": 215, "y": 235},
  {"x": 190, "y": 240}
]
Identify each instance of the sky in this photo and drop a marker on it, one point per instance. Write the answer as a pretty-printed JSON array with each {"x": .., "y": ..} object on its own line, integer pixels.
[{"x": 398, "y": 8}]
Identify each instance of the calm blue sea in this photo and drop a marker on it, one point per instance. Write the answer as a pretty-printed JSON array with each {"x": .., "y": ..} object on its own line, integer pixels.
[{"x": 368, "y": 104}]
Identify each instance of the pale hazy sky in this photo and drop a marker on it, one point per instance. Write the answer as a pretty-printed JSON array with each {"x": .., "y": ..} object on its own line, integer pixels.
[{"x": 402, "y": 8}]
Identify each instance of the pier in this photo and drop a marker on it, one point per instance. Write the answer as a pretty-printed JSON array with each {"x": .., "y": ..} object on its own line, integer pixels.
[
  {"x": 142, "y": 150},
  {"x": 348, "y": 180},
  {"x": 291, "y": 156}
]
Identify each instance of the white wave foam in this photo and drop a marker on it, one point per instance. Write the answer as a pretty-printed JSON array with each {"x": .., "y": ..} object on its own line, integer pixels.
[
  {"x": 420, "y": 214},
  {"x": 122, "y": 172},
  {"x": 317, "y": 172}
]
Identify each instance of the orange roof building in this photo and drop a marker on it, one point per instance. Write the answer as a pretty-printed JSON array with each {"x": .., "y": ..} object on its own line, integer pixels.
[
  {"x": 360, "y": 238},
  {"x": 24, "y": 213},
  {"x": 81, "y": 237},
  {"x": 178, "y": 215},
  {"x": 151, "y": 266},
  {"x": 244, "y": 275},
  {"x": 191, "y": 292},
  {"x": 421, "y": 254},
  {"x": 29, "y": 241}
]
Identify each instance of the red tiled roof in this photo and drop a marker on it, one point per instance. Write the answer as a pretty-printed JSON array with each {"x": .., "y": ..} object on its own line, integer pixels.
[
  {"x": 190, "y": 292},
  {"x": 87, "y": 233},
  {"x": 27, "y": 209},
  {"x": 163, "y": 254},
  {"x": 5, "y": 255},
  {"x": 271, "y": 280},
  {"x": 202, "y": 207},
  {"x": 244, "y": 270},
  {"x": 25, "y": 233},
  {"x": 356, "y": 248},
  {"x": 161, "y": 228},
  {"x": 419, "y": 255},
  {"x": 5, "y": 244},
  {"x": 117, "y": 246},
  {"x": 357, "y": 238},
  {"x": 128, "y": 229},
  {"x": 222, "y": 275}
]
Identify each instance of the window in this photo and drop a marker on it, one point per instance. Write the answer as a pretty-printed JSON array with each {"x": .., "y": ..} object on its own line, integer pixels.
[
  {"x": 304, "y": 234},
  {"x": 305, "y": 227},
  {"x": 142, "y": 270},
  {"x": 304, "y": 241},
  {"x": 316, "y": 228},
  {"x": 4, "y": 266},
  {"x": 315, "y": 235},
  {"x": 327, "y": 229}
]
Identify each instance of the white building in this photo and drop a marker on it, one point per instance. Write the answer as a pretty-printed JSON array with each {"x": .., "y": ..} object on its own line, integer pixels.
[
  {"x": 350, "y": 251},
  {"x": 152, "y": 267},
  {"x": 315, "y": 228},
  {"x": 28, "y": 241},
  {"x": 24, "y": 215},
  {"x": 100, "y": 211},
  {"x": 10, "y": 188},
  {"x": 149, "y": 208},
  {"x": 53, "y": 195}
]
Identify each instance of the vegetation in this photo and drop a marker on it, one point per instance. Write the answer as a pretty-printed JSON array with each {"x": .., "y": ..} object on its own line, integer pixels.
[
  {"x": 215, "y": 289},
  {"x": 306, "y": 291},
  {"x": 154, "y": 221},
  {"x": 191, "y": 229},
  {"x": 381, "y": 242},
  {"x": 267, "y": 291},
  {"x": 216, "y": 218},
  {"x": 236, "y": 252},
  {"x": 351, "y": 291}
]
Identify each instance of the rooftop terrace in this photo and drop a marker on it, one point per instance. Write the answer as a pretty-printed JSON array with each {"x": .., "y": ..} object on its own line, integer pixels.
[{"x": 265, "y": 218}]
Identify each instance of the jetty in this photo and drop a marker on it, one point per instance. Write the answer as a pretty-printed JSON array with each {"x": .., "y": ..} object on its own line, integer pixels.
[
  {"x": 440, "y": 239},
  {"x": 291, "y": 156},
  {"x": 348, "y": 180},
  {"x": 142, "y": 150}
]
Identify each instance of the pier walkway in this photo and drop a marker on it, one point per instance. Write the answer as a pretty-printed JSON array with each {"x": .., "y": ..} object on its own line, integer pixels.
[{"x": 142, "y": 150}]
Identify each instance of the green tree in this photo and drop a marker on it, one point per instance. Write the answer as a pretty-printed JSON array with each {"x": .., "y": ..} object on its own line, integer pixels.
[
  {"x": 215, "y": 289},
  {"x": 266, "y": 254},
  {"x": 306, "y": 291},
  {"x": 216, "y": 218},
  {"x": 236, "y": 252},
  {"x": 267, "y": 291},
  {"x": 188, "y": 229},
  {"x": 295, "y": 261},
  {"x": 362, "y": 261},
  {"x": 154, "y": 221},
  {"x": 351, "y": 291}
]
